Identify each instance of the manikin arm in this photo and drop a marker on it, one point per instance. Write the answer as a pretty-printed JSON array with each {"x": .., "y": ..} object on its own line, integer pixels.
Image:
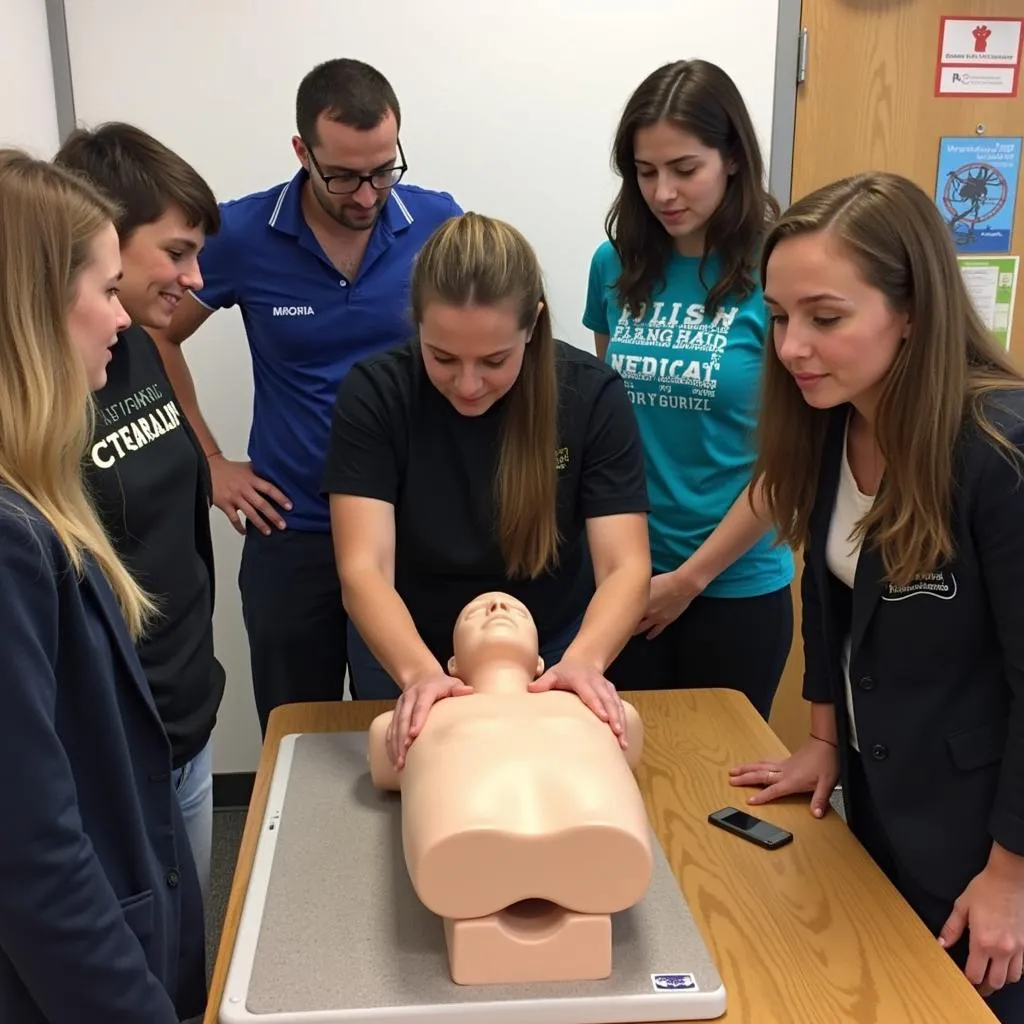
[{"x": 382, "y": 771}]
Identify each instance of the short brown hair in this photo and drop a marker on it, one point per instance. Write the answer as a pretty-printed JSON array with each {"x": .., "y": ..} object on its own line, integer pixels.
[
  {"x": 345, "y": 90},
  {"x": 143, "y": 176}
]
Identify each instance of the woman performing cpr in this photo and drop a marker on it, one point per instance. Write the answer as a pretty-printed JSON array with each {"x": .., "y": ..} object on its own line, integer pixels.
[{"x": 482, "y": 456}]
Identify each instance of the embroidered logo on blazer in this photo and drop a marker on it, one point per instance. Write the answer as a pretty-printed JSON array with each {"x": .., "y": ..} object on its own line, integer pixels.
[{"x": 933, "y": 584}]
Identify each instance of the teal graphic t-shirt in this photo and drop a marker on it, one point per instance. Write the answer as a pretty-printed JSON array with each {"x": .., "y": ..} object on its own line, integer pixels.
[{"x": 694, "y": 382}]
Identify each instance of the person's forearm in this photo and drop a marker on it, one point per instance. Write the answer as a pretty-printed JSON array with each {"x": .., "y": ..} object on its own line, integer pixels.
[
  {"x": 823, "y": 723},
  {"x": 384, "y": 623},
  {"x": 180, "y": 377},
  {"x": 740, "y": 529},
  {"x": 611, "y": 617}
]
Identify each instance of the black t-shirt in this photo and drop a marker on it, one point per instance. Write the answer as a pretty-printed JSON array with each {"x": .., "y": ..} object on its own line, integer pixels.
[
  {"x": 396, "y": 438},
  {"x": 147, "y": 476}
]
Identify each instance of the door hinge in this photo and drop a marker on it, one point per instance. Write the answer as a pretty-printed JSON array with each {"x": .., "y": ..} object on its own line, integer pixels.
[{"x": 801, "y": 60}]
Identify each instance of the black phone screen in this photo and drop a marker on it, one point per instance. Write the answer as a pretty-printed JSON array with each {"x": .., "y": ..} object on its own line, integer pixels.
[
  {"x": 755, "y": 829},
  {"x": 740, "y": 819}
]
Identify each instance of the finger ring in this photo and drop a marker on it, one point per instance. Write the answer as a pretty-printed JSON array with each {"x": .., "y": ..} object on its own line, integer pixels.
[{"x": 774, "y": 771}]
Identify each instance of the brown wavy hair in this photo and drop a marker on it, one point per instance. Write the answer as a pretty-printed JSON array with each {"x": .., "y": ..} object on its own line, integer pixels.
[
  {"x": 700, "y": 98},
  {"x": 947, "y": 374},
  {"x": 477, "y": 260}
]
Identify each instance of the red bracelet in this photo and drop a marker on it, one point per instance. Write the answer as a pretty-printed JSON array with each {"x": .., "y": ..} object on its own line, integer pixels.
[{"x": 821, "y": 739}]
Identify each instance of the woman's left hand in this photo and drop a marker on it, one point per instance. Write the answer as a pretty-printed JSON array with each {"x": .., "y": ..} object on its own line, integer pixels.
[
  {"x": 992, "y": 909},
  {"x": 591, "y": 687},
  {"x": 671, "y": 594}
]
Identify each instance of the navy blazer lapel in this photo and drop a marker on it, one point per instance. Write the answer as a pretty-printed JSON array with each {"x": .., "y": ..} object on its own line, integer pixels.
[
  {"x": 869, "y": 584},
  {"x": 815, "y": 557},
  {"x": 100, "y": 591}
]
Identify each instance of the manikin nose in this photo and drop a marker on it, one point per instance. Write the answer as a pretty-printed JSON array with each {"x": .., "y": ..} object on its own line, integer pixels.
[{"x": 497, "y": 605}]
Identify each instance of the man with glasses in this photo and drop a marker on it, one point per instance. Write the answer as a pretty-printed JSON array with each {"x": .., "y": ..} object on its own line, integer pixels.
[{"x": 319, "y": 269}]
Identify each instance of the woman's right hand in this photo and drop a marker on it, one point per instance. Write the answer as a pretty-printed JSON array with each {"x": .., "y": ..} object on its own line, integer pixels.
[
  {"x": 813, "y": 769},
  {"x": 412, "y": 709}
]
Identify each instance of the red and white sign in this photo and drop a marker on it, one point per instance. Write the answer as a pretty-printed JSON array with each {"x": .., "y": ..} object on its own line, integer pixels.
[{"x": 979, "y": 56}]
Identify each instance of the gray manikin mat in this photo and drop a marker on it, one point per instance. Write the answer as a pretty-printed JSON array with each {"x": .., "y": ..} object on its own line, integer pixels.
[{"x": 332, "y": 930}]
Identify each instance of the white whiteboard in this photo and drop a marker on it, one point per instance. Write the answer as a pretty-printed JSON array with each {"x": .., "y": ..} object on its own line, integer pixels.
[
  {"x": 28, "y": 114},
  {"x": 510, "y": 106}
]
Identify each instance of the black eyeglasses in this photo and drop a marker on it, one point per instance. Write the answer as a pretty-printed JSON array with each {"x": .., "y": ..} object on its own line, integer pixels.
[{"x": 348, "y": 181}]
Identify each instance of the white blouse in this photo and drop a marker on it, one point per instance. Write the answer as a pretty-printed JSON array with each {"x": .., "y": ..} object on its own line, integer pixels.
[{"x": 842, "y": 554}]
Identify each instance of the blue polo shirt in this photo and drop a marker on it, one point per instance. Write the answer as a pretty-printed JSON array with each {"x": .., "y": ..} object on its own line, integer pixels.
[{"x": 307, "y": 324}]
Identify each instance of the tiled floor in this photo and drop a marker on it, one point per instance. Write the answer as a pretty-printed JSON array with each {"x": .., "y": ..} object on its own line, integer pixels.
[{"x": 227, "y": 835}]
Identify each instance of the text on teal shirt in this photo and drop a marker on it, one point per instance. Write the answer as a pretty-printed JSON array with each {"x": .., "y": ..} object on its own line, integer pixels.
[{"x": 694, "y": 382}]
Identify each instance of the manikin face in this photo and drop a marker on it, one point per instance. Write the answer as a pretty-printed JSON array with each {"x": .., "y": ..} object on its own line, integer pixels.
[
  {"x": 161, "y": 263},
  {"x": 835, "y": 333},
  {"x": 340, "y": 149},
  {"x": 472, "y": 354},
  {"x": 681, "y": 180},
  {"x": 495, "y": 628},
  {"x": 96, "y": 314}
]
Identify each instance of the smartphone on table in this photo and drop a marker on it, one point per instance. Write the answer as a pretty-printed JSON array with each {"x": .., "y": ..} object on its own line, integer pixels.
[{"x": 749, "y": 827}]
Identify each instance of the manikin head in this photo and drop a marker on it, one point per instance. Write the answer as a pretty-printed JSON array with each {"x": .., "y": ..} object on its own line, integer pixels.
[{"x": 495, "y": 635}]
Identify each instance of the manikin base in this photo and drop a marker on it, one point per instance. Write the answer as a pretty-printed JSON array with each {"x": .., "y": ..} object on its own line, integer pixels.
[
  {"x": 332, "y": 931},
  {"x": 532, "y": 941}
]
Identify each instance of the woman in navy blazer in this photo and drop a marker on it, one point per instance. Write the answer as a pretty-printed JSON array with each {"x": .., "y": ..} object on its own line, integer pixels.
[
  {"x": 100, "y": 912},
  {"x": 892, "y": 450}
]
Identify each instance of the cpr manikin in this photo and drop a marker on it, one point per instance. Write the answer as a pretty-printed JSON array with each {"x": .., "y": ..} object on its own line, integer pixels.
[{"x": 522, "y": 824}]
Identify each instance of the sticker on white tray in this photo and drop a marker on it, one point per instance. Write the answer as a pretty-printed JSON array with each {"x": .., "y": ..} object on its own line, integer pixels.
[{"x": 674, "y": 983}]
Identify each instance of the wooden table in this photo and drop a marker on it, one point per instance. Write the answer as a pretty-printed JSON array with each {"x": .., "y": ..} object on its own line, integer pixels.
[{"x": 812, "y": 932}]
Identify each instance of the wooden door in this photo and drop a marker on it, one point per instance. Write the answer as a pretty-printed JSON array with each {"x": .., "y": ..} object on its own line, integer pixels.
[{"x": 868, "y": 102}]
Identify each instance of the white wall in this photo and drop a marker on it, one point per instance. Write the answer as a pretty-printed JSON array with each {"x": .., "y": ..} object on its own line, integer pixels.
[
  {"x": 28, "y": 112},
  {"x": 511, "y": 107}
]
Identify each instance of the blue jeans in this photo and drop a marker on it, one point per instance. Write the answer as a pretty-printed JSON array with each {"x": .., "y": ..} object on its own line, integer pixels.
[
  {"x": 369, "y": 679},
  {"x": 193, "y": 783}
]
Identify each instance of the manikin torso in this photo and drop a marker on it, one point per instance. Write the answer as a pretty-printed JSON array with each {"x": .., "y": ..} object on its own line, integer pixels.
[{"x": 509, "y": 795}]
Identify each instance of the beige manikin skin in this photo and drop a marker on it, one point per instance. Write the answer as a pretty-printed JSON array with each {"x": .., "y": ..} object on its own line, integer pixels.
[{"x": 532, "y": 790}]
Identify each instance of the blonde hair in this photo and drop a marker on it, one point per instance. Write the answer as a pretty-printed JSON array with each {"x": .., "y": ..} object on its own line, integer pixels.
[
  {"x": 477, "y": 260},
  {"x": 945, "y": 374},
  {"x": 49, "y": 219}
]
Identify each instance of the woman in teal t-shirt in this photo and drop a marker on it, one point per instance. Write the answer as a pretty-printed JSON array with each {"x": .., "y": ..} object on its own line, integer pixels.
[{"x": 675, "y": 307}]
